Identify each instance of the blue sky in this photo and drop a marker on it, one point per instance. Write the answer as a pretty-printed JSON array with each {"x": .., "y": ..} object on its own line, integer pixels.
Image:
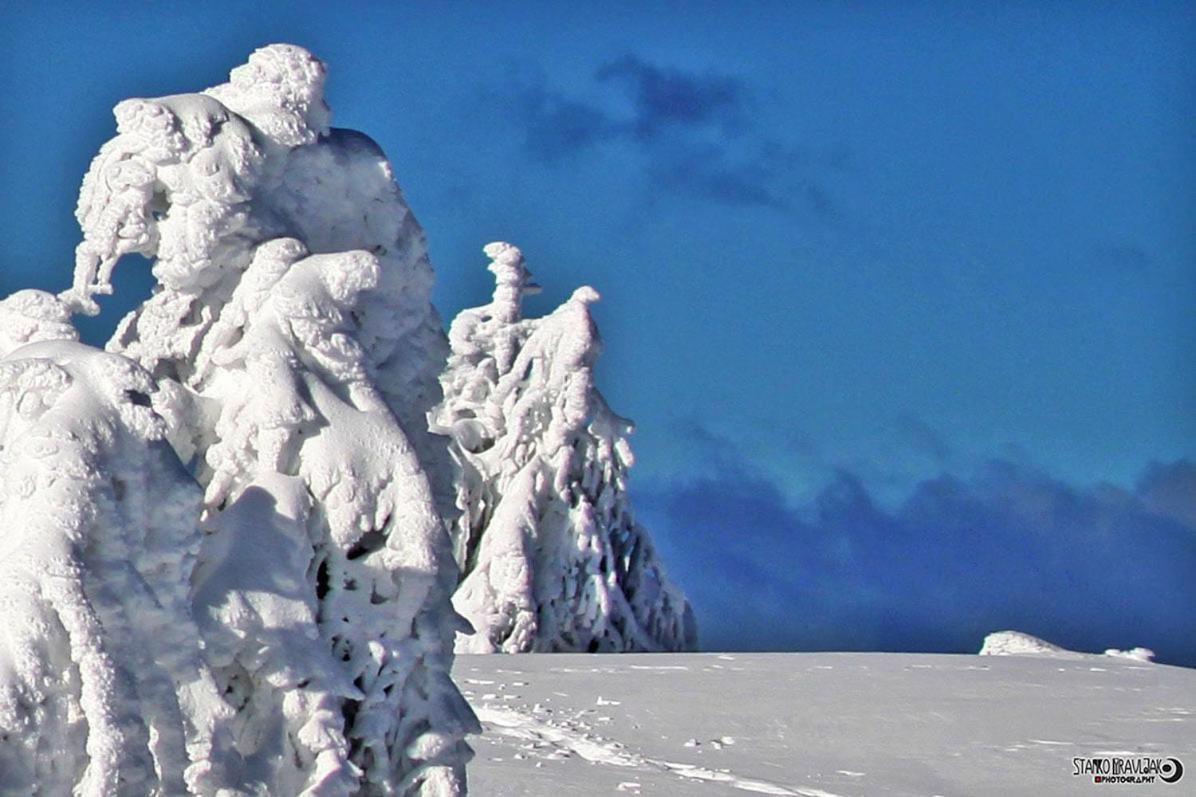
[{"x": 915, "y": 273}]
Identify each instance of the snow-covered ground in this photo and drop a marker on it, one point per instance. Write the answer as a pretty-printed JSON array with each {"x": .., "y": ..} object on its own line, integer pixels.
[{"x": 817, "y": 723}]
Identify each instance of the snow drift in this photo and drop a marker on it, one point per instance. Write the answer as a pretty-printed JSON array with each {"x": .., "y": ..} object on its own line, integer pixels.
[{"x": 232, "y": 539}]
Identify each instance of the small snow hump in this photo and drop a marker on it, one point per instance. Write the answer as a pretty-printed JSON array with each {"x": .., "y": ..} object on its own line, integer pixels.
[
  {"x": 1016, "y": 643},
  {"x": 31, "y": 316},
  {"x": 1134, "y": 654}
]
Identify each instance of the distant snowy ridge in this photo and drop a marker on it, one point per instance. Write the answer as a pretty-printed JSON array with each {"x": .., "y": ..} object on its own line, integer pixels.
[
  {"x": 553, "y": 558},
  {"x": 232, "y": 539},
  {"x": 1016, "y": 643}
]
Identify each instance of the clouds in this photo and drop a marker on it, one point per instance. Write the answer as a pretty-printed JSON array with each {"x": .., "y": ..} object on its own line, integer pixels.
[
  {"x": 1170, "y": 490},
  {"x": 922, "y": 438},
  {"x": 1087, "y": 567},
  {"x": 670, "y": 98},
  {"x": 695, "y": 134},
  {"x": 703, "y": 171},
  {"x": 658, "y": 104},
  {"x": 557, "y": 126}
]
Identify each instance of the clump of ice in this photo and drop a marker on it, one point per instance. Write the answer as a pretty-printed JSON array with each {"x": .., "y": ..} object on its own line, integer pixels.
[{"x": 553, "y": 558}]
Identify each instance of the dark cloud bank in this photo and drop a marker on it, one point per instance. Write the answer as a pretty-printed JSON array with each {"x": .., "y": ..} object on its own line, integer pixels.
[
  {"x": 698, "y": 135},
  {"x": 1087, "y": 568}
]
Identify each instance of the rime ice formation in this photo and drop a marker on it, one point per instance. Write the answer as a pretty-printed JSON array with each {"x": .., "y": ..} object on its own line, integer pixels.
[
  {"x": 314, "y": 487},
  {"x": 232, "y": 539},
  {"x": 103, "y": 689},
  {"x": 553, "y": 559},
  {"x": 197, "y": 181},
  {"x": 289, "y": 355}
]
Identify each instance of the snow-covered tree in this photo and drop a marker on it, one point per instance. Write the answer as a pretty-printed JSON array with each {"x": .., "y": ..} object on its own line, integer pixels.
[
  {"x": 552, "y": 556},
  {"x": 103, "y": 688},
  {"x": 196, "y": 181},
  {"x": 294, "y": 355},
  {"x": 227, "y": 558}
]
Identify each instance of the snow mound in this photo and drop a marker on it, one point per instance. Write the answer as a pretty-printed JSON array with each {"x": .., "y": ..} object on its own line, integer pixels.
[
  {"x": 1135, "y": 654},
  {"x": 552, "y": 556},
  {"x": 1016, "y": 643}
]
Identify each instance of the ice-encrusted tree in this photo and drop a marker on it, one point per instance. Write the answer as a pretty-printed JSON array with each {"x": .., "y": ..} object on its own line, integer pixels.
[
  {"x": 552, "y": 557},
  {"x": 103, "y": 688},
  {"x": 227, "y": 542},
  {"x": 292, "y": 355}
]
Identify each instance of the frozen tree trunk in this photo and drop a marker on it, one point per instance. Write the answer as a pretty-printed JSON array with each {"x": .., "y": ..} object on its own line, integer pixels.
[
  {"x": 552, "y": 557},
  {"x": 296, "y": 352}
]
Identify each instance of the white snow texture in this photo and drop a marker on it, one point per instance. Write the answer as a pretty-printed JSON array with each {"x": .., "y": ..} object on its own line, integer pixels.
[{"x": 231, "y": 541}]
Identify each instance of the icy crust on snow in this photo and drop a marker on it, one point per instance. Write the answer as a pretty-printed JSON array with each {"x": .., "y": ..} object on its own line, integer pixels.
[
  {"x": 103, "y": 690},
  {"x": 552, "y": 557},
  {"x": 296, "y": 356}
]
